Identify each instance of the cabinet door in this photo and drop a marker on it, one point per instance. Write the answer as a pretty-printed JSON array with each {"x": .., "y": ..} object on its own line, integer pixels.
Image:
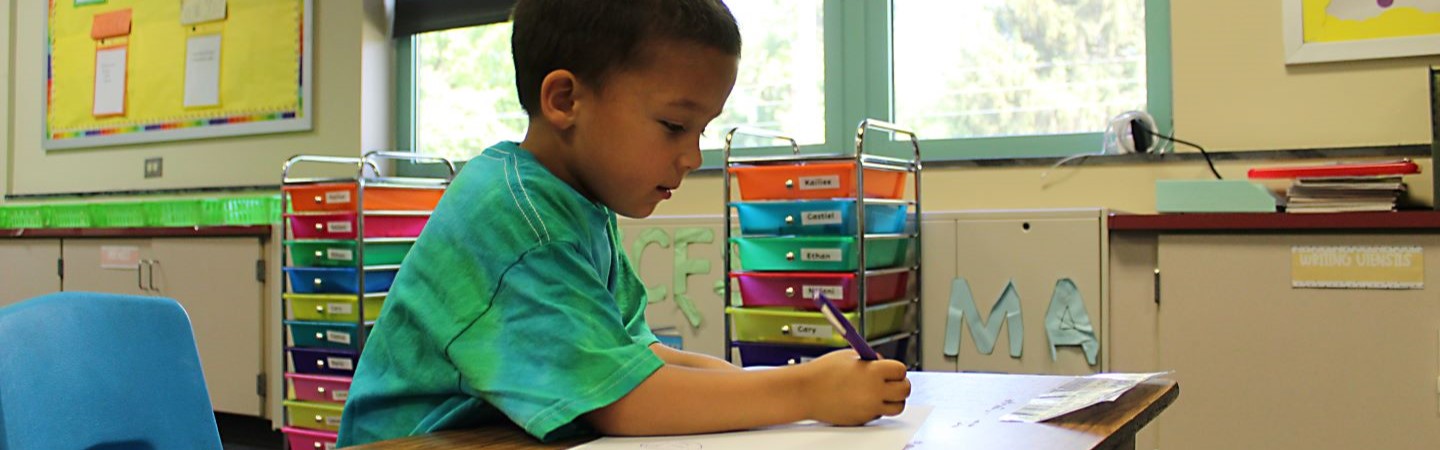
[
  {"x": 214, "y": 280},
  {"x": 28, "y": 268},
  {"x": 1265, "y": 365},
  {"x": 1033, "y": 253},
  {"x": 937, "y": 266},
  {"x": 87, "y": 268}
]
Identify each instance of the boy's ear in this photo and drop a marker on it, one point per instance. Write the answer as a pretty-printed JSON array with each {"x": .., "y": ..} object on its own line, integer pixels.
[{"x": 557, "y": 98}]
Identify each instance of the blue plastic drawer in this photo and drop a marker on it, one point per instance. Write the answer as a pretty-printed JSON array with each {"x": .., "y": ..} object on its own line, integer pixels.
[
  {"x": 318, "y": 361},
  {"x": 324, "y": 334},
  {"x": 821, "y": 217},
  {"x": 338, "y": 280}
]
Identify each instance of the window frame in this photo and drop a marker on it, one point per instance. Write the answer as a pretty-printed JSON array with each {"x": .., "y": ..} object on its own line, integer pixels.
[{"x": 860, "y": 64}]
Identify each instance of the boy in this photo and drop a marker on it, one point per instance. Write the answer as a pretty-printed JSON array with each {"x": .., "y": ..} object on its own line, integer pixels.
[{"x": 517, "y": 300}]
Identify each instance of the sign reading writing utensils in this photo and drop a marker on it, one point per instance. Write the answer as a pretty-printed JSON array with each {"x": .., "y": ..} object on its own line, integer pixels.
[{"x": 1357, "y": 267}]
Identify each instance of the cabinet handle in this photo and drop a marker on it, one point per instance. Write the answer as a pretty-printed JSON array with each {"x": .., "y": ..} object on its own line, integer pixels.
[
  {"x": 320, "y": 363},
  {"x": 319, "y": 226},
  {"x": 319, "y": 199},
  {"x": 789, "y": 220},
  {"x": 785, "y": 330},
  {"x": 320, "y": 389},
  {"x": 151, "y": 277},
  {"x": 320, "y": 309},
  {"x": 790, "y": 292},
  {"x": 789, "y": 184},
  {"x": 792, "y": 361},
  {"x": 319, "y": 254},
  {"x": 789, "y": 256},
  {"x": 319, "y": 418},
  {"x": 319, "y": 446},
  {"x": 140, "y": 275},
  {"x": 318, "y": 281},
  {"x": 319, "y": 336}
]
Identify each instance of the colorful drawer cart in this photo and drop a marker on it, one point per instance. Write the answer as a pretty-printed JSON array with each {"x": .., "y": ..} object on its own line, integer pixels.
[
  {"x": 805, "y": 229},
  {"x": 345, "y": 240}
]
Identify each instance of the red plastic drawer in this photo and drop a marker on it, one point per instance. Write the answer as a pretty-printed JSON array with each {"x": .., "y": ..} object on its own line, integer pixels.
[{"x": 813, "y": 181}]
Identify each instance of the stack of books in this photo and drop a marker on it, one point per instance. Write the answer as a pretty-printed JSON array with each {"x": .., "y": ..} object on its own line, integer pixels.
[{"x": 1355, "y": 187}]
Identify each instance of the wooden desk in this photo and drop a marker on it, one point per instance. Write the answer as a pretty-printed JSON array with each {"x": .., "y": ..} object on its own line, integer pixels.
[{"x": 967, "y": 409}]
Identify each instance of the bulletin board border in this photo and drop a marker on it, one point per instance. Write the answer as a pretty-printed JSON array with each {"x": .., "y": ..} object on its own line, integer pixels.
[{"x": 236, "y": 125}]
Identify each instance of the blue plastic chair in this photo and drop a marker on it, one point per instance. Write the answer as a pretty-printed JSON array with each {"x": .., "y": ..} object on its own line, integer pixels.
[{"x": 92, "y": 371}]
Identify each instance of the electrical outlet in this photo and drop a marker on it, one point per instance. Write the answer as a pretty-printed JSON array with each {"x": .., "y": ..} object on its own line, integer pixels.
[{"x": 154, "y": 167}]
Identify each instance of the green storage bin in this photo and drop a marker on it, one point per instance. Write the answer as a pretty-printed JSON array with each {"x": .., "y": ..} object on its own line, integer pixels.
[
  {"x": 818, "y": 253},
  {"x": 313, "y": 415},
  {"x": 788, "y": 326},
  {"x": 256, "y": 210},
  {"x": 173, "y": 213},
  {"x": 341, "y": 253},
  {"x": 14, "y": 217},
  {"x": 67, "y": 216},
  {"x": 117, "y": 215}
]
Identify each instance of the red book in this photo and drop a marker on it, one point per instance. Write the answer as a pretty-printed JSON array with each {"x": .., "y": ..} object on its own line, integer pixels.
[{"x": 1401, "y": 167}]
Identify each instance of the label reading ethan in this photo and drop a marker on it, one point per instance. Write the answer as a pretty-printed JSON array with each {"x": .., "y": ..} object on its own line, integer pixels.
[
  {"x": 831, "y": 292},
  {"x": 339, "y": 227},
  {"x": 340, "y": 254},
  {"x": 820, "y": 218},
  {"x": 810, "y": 331},
  {"x": 339, "y": 363},
  {"x": 338, "y": 337},
  {"x": 334, "y": 197},
  {"x": 820, "y": 254},
  {"x": 822, "y": 182}
]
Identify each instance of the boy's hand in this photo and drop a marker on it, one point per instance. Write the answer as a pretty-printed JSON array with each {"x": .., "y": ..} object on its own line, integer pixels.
[{"x": 843, "y": 390}]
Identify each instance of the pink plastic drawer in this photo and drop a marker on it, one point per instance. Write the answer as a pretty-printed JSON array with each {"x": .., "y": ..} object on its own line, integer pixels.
[
  {"x": 344, "y": 226},
  {"x": 798, "y": 289},
  {"x": 319, "y": 388},
  {"x": 303, "y": 439}
]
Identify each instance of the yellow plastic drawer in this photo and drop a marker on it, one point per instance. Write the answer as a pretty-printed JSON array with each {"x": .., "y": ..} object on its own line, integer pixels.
[
  {"x": 314, "y": 416},
  {"x": 783, "y": 325},
  {"x": 333, "y": 307}
]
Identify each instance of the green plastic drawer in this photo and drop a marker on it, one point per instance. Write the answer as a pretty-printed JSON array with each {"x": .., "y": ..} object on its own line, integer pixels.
[
  {"x": 788, "y": 326},
  {"x": 333, "y": 307},
  {"x": 818, "y": 253},
  {"x": 313, "y": 415},
  {"x": 342, "y": 253}
]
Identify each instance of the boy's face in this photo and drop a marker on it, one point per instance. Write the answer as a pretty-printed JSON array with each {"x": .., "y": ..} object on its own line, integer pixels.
[{"x": 634, "y": 142}]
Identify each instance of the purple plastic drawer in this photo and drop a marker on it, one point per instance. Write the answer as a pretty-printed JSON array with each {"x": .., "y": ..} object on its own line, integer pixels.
[
  {"x": 344, "y": 226},
  {"x": 303, "y": 439},
  {"x": 319, "y": 388},
  {"x": 324, "y": 361},
  {"x": 761, "y": 354},
  {"x": 798, "y": 289}
]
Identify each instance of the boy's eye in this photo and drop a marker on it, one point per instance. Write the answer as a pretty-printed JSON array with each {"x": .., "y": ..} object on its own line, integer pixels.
[{"x": 672, "y": 127}]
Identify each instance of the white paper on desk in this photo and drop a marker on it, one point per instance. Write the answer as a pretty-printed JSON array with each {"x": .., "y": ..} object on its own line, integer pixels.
[
  {"x": 1076, "y": 394},
  {"x": 202, "y": 70},
  {"x": 886, "y": 433},
  {"x": 109, "y": 82}
]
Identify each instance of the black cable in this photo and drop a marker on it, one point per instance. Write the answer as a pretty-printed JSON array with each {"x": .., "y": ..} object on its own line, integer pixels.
[{"x": 1192, "y": 144}]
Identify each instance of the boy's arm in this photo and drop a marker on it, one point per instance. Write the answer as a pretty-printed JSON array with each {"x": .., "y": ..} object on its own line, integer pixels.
[
  {"x": 688, "y": 359},
  {"x": 837, "y": 388}
]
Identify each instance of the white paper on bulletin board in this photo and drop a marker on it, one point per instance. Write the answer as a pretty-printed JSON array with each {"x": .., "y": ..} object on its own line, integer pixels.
[
  {"x": 264, "y": 84},
  {"x": 1358, "y": 267}
]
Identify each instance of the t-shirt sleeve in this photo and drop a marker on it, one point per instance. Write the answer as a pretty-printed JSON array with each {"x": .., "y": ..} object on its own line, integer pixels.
[
  {"x": 634, "y": 290},
  {"x": 553, "y": 343}
]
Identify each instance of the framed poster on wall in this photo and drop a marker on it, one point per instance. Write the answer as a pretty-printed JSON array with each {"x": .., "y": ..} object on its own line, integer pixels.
[
  {"x": 1342, "y": 30},
  {"x": 134, "y": 71}
]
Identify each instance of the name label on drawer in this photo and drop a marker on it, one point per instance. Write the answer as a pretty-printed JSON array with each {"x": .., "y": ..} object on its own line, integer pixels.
[
  {"x": 340, "y": 396},
  {"x": 820, "y": 218},
  {"x": 338, "y": 308},
  {"x": 340, "y": 337},
  {"x": 338, "y": 227},
  {"x": 810, "y": 331},
  {"x": 340, "y": 254},
  {"x": 329, "y": 446},
  {"x": 831, "y": 292},
  {"x": 337, "y": 197},
  {"x": 823, "y": 182},
  {"x": 339, "y": 363},
  {"x": 332, "y": 421},
  {"x": 820, "y": 254}
]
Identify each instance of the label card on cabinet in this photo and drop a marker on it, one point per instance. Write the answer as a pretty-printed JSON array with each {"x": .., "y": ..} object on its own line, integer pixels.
[
  {"x": 1357, "y": 267},
  {"x": 119, "y": 257}
]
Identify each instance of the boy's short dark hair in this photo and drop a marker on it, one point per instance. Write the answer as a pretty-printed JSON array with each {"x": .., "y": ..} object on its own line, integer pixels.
[{"x": 591, "y": 38}]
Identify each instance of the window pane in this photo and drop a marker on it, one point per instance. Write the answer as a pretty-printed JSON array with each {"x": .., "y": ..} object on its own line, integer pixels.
[
  {"x": 978, "y": 68},
  {"x": 466, "y": 91},
  {"x": 466, "y": 81},
  {"x": 781, "y": 85}
]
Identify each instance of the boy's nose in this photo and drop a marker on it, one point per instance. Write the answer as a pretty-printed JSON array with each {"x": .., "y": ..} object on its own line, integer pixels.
[{"x": 691, "y": 159}]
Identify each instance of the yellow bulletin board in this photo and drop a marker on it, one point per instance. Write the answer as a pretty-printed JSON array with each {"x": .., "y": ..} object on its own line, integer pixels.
[
  {"x": 247, "y": 66},
  {"x": 1340, "y": 30}
]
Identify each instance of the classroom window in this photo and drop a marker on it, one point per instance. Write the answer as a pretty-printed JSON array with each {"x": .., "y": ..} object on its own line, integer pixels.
[{"x": 465, "y": 81}]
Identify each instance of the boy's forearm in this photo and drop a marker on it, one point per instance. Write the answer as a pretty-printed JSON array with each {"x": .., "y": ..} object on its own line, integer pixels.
[
  {"x": 682, "y": 400},
  {"x": 689, "y": 359}
]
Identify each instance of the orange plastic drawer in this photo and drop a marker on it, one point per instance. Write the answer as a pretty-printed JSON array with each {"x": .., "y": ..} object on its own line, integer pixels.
[
  {"x": 342, "y": 197},
  {"x": 811, "y": 181}
]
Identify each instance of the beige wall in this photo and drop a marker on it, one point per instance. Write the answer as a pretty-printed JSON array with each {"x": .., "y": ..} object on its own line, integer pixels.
[
  {"x": 1232, "y": 92},
  {"x": 352, "y": 98}
]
